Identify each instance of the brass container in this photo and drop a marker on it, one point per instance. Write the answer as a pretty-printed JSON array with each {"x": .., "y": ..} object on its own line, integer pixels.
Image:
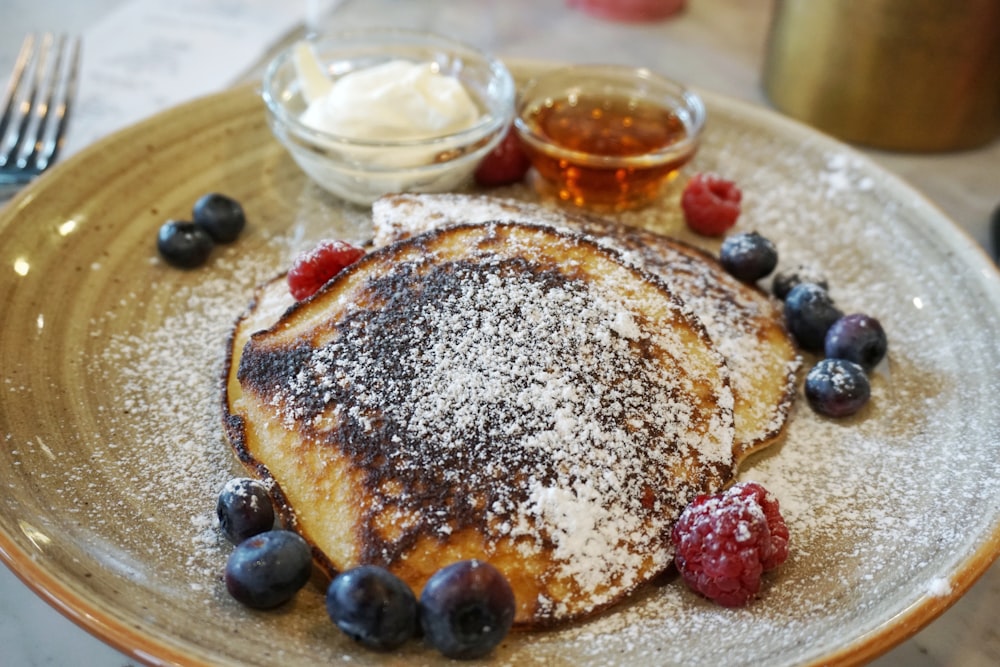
[{"x": 911, "y": 75}]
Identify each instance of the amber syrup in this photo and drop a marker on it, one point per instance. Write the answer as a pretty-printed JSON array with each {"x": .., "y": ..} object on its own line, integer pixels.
[{"x": 606, "y": 153}]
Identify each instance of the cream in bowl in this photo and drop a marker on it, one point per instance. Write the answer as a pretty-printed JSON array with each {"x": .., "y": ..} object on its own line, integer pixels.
[
  {"x": 607, "y": 137},
  {"x": 374, "y": 112}
]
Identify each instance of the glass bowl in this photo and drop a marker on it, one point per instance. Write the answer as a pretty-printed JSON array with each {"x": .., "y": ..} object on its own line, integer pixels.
[
  {"x": 607, "y": 137},
  {"x": 361, "y": 170}
]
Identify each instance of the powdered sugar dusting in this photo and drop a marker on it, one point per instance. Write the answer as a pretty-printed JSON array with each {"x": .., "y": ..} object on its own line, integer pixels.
[
  {"x": 522, "y": 392},
  {"x": 939, "y": 587},
  {"x": 737, "y": 319},
  {"x": 163, "y": 416}
]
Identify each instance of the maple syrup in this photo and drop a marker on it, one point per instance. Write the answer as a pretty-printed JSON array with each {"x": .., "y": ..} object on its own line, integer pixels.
[
  {"x": 605, "y": 151},
  {"x": 607, "y": 137}
]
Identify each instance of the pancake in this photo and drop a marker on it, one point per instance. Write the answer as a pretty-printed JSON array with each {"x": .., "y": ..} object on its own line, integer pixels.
[
  {"x": 506, "y": 392},
  {"x": 745, "y": 323}
]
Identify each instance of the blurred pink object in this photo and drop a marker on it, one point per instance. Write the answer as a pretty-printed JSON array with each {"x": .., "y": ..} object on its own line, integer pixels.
[{"x": 629, "y": 10}]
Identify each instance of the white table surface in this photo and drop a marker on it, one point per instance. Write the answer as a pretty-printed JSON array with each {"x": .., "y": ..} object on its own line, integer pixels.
[{"x": 716, "y": 45}]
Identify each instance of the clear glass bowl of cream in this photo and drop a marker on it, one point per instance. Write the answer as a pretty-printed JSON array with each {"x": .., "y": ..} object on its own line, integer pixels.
[{"x": 373, "y": 112}]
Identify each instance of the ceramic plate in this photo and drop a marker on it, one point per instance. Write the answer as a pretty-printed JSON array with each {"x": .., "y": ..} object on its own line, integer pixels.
[{"x": 113, "y": 452}]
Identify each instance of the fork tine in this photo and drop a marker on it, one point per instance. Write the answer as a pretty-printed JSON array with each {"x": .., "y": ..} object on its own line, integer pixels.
[
  {"x": 44, "y": 84},
  {"x": 61, "y": 99},
  {"x": 37, "y": 102},
  {"x": 13, "y": 100}
]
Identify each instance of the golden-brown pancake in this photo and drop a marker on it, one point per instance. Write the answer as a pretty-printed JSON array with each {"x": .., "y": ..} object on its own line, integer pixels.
[{"x": 506, "y": 392}]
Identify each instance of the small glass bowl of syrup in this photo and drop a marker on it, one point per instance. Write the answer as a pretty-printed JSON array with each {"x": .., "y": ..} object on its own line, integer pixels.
[{"x": 607, "y": 137}]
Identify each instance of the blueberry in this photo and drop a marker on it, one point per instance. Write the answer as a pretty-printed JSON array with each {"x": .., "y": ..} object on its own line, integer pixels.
[
  {"x": 184, "y": 244},
  {"x": 221, "y": 216},
  {"x": 372, "y": 606},
  {"x": 748, "y": 257},
  {"x": 837, "y": 387},
  {"x": 809, "y": 314},
  {"x": 858, "y": 338},
  {"x": 244, "y": 509},
  {"x": 267, "y": 569},
  {"x": 786, "y": 279},
  {"x": 466, "y": 609}
]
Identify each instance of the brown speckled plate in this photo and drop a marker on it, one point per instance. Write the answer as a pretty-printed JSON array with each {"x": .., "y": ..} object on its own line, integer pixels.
[{"x": 113, "y": 451}]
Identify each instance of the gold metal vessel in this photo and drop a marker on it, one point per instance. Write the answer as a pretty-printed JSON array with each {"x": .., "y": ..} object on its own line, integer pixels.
[{"x": 913, "y": 75}]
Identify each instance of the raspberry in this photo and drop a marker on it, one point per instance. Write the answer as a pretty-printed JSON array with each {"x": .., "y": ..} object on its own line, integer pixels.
[
  {"x": 711, "y": 204},
  {"x": 724, "y": 542},
  {"x": 506, "y": 163},
  {"x": 312, "y": 269}
]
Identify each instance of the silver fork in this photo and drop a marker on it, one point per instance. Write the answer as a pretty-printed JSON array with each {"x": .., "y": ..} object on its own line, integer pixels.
[{"x": 36, "y": 107}]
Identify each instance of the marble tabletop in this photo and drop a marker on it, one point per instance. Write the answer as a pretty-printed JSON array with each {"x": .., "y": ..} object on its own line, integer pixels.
[{"x": 717, "y": 45}]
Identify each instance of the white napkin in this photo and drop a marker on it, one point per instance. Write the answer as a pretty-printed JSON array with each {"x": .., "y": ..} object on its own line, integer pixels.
[{"x": 149, "y": 55}]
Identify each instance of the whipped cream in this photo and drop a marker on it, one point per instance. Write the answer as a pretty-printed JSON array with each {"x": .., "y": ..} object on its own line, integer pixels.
[
  {"x": 397, "y": 100},
  {"x": 418, "y": 112}
]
